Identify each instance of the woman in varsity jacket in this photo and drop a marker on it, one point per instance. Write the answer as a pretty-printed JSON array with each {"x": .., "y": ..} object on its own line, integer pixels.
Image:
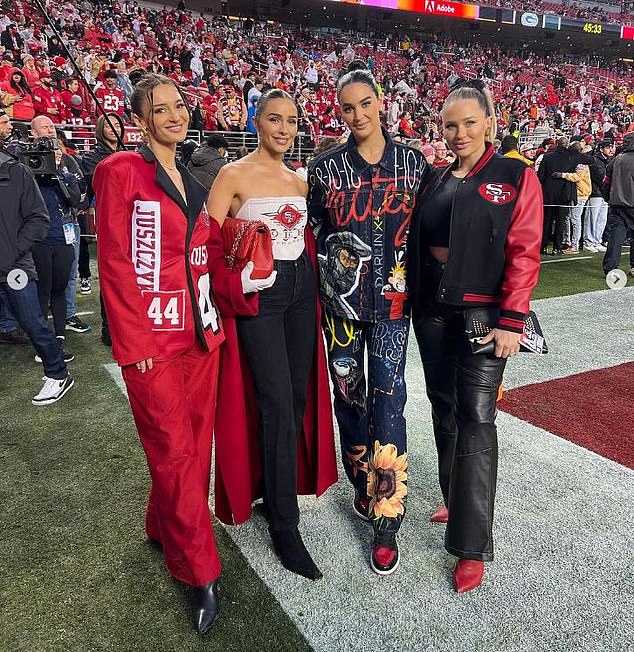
[{"x": 474, "y": 243}]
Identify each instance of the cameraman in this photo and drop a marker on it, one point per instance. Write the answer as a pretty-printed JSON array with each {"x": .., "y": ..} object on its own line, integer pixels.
[
  {"x": 55, "y": 256},
  {"x": 23, "y": 222},
  {"x": 43, "y": 127}
]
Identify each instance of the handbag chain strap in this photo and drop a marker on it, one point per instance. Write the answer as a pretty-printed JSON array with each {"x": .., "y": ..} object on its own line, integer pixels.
[{"x": 231, "y": 256}]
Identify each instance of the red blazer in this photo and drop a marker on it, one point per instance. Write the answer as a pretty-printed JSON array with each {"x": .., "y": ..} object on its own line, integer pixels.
[
  {"x": 238, "y": 472},
  {"x": 154, "y": 262}
]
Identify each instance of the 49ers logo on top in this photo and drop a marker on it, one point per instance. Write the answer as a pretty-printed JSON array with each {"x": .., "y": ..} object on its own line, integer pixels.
[
  {"x": 497, "y": 193},
  {"x": 288, "y": 215}
]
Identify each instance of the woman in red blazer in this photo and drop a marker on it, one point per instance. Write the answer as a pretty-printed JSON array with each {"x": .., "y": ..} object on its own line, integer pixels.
[{"x": 158, "y": 284}]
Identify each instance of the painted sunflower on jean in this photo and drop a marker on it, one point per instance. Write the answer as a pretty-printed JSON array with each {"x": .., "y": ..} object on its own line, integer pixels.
[{"x": 386, "y": 481}]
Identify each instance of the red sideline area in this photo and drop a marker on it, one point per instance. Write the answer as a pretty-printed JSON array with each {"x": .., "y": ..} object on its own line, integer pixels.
[{"x": 592, "y": 409}]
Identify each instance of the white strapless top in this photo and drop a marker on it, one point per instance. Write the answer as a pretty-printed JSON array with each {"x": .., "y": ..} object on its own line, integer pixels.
[{"x": 286, "y": 218}]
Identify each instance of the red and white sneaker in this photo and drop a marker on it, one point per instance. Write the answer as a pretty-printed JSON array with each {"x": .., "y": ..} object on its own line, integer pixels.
[
  {"x": 361, "y": 507},
  {"x": 384, "y": 558}
]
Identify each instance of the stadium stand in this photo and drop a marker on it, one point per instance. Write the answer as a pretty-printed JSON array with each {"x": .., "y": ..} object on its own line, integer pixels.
[{"x": 221, "y": 70}]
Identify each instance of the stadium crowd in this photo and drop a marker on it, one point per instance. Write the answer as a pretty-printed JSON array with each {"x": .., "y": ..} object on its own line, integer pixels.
[{"x": 223, "y": 73}]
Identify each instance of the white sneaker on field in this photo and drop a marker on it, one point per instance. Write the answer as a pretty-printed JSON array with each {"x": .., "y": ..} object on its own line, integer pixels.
[{"x": 53, "y": 390}]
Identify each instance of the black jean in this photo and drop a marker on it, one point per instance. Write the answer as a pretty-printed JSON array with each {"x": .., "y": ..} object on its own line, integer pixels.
[
  {"x": 84, "y": 252},
  {"x": 279, "y": 344},
  {"x": 556, "y": 215},
  {"x": 462, "y": 389},
  {"x": 53, "y": 263},
  {"x": 620, "y": 221}
]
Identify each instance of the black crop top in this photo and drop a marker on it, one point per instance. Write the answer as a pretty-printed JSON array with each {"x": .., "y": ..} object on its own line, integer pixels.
[{"x": 436, "y": 213}]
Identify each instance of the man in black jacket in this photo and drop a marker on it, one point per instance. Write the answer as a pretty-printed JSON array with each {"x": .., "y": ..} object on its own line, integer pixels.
[
  {"x": 618, "y": 189},
  {"x": 207, "y": 160},
  {"x": 9, "y": 332},
  {"x": 559, "y": 194},
  {"x": 23, "y": 222},
  {"x": 597, "y": 213}
]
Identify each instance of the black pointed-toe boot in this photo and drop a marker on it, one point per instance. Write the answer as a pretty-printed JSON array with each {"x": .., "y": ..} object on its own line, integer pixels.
[
  {"x": 292, "y": 552},
  {"x": 204, "y": 601}
]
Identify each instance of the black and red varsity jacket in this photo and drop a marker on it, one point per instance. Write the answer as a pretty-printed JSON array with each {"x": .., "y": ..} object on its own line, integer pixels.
[{"x": 494, "y": 242}]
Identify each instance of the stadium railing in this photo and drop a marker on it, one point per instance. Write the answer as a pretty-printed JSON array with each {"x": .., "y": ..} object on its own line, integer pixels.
[{"x": 83, "y": 137}]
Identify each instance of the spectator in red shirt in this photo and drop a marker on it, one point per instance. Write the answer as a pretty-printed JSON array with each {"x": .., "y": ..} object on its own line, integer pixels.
[
  {"x": 17, "y": 98},
  {"x": 6, "y": 66},
  {"x": 209, "y": 108},
  {"x": 405, "y": 125},
  {"x": 31, "y": 74},
  {"x": 47, "y": 100},
  {"x": 73, "y": 103},
  {"x": 329, "y": 124},
  {"x": 109, "y": 95}
]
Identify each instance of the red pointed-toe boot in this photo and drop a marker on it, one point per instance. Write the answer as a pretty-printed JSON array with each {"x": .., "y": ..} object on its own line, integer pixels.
[
  {"x": 468, "y": 575},
  {"x": 441, "y": 515}
]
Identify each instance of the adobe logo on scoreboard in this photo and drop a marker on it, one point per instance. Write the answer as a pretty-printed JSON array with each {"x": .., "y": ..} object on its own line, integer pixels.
[{"x": 442, "y": 8}]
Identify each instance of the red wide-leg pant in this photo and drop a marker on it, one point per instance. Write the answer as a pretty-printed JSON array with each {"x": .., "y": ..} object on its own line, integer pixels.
[{"x": 174, "y": 406}]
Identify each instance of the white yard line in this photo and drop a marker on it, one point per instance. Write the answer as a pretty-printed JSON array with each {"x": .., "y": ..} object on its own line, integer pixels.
[{"x": 563, "y": 260}]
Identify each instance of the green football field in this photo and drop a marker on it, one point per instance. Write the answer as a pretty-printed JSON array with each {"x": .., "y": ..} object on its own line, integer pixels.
[{"x": 76, "y": 573}]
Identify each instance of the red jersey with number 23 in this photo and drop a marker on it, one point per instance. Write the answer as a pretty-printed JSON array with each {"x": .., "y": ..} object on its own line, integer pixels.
[{"x": 153, "y": 259}]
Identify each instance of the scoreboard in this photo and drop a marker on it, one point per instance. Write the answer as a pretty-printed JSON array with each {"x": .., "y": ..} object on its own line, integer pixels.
[{"x": 504, "y": 16}]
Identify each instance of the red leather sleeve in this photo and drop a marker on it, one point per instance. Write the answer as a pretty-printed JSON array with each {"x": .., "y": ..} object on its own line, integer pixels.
[
  {"x": 523, "y": 242},
  {"x": 130, "y": 329},
  {"x": 226, "y": 284}
]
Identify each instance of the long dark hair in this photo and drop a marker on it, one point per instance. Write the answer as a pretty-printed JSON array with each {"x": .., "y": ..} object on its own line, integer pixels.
[
  {"x": 358, "y": 76},
  {"x": 143, "y": 95},
  {"x": 21, "y": 87}
]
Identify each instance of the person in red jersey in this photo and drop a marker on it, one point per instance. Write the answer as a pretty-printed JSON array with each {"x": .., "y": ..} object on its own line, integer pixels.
[
  {"x": 473, "y": 248},
  {"x": 109, "y": 95},
  {"x": 47, "y": 100},
  {"x": 158, "y": 281}
]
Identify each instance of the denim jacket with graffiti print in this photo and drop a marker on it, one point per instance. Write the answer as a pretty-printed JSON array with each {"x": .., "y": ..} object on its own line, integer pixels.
[{"x": 361, "y": 215}]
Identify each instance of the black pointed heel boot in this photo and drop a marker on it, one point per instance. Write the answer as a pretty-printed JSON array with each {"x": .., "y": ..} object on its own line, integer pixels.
[
  {"x": 292, "y": 552},
  {"x": 204, "y": 601}
]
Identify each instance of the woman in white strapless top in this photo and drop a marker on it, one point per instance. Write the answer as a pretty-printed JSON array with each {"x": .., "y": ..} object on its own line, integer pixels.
[{"x": 279, "y": 342}]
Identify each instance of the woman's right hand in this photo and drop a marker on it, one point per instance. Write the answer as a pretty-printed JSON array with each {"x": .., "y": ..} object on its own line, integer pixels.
[
  {"x": 145, "y": 365},
  {"x": 255, "y": 284}
]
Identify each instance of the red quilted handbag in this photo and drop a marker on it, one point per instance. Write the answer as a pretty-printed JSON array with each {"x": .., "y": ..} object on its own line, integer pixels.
[{"x": 248, "y": 240}]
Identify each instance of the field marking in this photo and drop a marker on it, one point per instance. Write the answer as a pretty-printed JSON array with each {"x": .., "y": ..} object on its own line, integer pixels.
[
  {"x": 115, "y": 372},
  {"x": 562, "y": 260},
  {"x": 577, "y": 257}
]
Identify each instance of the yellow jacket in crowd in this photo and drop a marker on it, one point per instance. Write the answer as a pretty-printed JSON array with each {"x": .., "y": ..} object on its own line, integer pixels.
[{"x": 581, "y": 176}]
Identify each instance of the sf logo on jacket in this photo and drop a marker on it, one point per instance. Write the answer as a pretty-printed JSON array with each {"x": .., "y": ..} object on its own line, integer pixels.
[{"x": 497, "y": 193}]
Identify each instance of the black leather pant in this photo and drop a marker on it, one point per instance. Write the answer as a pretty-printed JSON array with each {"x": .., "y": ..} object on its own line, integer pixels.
[{"x": 462, "y": 389}]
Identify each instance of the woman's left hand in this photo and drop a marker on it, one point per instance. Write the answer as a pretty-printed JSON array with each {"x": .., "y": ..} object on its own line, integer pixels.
[{"x": 507, "y": 343}]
